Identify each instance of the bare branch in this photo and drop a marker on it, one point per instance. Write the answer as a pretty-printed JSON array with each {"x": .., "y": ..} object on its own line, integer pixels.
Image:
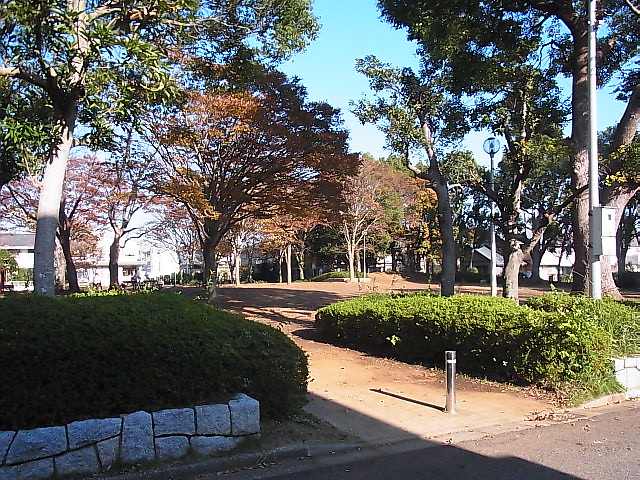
[{"x": 21, "y": 74}]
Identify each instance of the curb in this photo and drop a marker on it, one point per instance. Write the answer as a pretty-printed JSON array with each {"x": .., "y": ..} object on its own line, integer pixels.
[
  {"x": 241, "y": 461},
  {"x": 614, "y": 398}
]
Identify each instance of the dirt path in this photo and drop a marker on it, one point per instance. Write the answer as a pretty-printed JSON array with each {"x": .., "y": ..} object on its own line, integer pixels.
[{"x": 378, "y": 399}]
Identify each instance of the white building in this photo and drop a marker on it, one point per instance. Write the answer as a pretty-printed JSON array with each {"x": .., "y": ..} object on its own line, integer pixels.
[{"x": 20, "y": 245}]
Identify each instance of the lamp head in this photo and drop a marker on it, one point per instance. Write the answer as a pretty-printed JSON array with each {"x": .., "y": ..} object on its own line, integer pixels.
[{"x": 491, "y": 145}]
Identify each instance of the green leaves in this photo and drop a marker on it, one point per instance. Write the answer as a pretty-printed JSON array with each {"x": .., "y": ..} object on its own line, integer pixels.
[
  {"x": 72, "y": 358},
  {"x": 561, "y": 341}
]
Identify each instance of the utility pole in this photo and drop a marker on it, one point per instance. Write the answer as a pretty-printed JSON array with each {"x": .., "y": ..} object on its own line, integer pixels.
[{"x": 595, "y": 270}]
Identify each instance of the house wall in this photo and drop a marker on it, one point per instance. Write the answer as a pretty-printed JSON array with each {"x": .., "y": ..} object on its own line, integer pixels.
[{"x": 23, "y": 256}]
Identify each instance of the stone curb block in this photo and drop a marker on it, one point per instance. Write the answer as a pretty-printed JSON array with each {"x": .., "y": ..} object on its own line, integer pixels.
[
  {"x": 209, "y": 445},
  {"x": 92, "y": 446},
  {"x": 137, "y": 438},
  {"x": 37, "y": 443},
  {"x": 83, "y": 461},
  {"x": 172, "y": 448},
  {"x": 5, "y": 440},
  {"x": 31, "y": 470},
  {"x": 213, "y": 420},
  {"x": 245, "y": 415},
  {"x": 174, "y": 422},
  {"x": 86, "y": 432}
]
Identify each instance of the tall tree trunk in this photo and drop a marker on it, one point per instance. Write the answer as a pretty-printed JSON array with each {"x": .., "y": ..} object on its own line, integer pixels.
[
  {"x": 289, "y": 266},
  {"x": 114, "y": 256},
  {"x": 351, "y": 259},
  {"x": 300, "y": 260},
  {"x": 48, "y": 210},
  {"x": 250, "y": 266},
  {"x": 236, "y": 268},
  {"x": 512, "y": 272},
  {"x": 609, "y": 287},
  {"x": 618, "y": 198},
  {"x": 64, "y": 237},
  {"x": 445, "y": 221},
  {"x": 536, "y": 260},
  {"x": 580, "y": 161},
  {"x": 210, "y": 275},
  {"x": 394, "y": 260},
  {"x": 623, "y": 249}
]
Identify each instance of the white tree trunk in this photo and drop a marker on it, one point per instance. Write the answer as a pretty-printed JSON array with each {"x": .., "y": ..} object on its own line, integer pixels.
[
  {"x": 48, "y": 210},
  {"x": 236, "y": 267},
  {"x": 289, "y": 269}
]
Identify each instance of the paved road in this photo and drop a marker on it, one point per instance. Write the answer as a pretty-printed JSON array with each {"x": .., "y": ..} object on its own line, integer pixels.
[{"x": 606, "y": 446}]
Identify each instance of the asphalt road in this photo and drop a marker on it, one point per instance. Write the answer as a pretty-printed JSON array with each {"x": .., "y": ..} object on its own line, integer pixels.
[{"x": 606, "y": 446}]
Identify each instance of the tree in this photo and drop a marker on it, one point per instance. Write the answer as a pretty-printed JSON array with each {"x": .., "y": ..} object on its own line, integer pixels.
[
  {"x": 123, "y": 181},
  {"x": 374, "y": 205},
  {"x": 470, "y": 42},
  {"x": 8, "y": 264},
  {"x": 172, "y": 231},
  {"x": 230, "y": 156},
  {"x": 621, "y": 175},
  {"x": 100, "y": 63},
  {"x": 77, "y": 214},
  {"x": 24, "y": 140},
  {"x": 416, "y": 114},
  {"x": 628, "y": 231}
]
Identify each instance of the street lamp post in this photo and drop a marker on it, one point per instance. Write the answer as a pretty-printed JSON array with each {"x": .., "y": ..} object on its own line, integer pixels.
[{"x": 492, "y": 146}]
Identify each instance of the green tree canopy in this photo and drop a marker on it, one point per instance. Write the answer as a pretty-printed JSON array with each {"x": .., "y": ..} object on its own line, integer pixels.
[{"x": 98, "y": 64}]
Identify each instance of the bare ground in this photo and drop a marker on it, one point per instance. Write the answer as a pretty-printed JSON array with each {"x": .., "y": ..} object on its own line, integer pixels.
[{"x": 345, "y": 376}]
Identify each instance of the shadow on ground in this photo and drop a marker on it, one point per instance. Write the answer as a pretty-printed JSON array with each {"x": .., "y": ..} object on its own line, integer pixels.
[
  {"x": 396, "y": 455},
  {"x": 400, "y": 455}
]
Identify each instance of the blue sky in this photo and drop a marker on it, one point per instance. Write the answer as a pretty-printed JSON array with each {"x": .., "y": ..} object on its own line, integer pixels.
[{"x": 352, "y": 29}]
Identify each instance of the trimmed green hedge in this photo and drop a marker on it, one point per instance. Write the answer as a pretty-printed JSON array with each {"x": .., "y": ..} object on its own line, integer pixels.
[
  {"x": 331, "y": 275},
  {"x": 73, "y": 358},
  {"x": 619, "y": 318},
  {"x": 493, "y": 337}
]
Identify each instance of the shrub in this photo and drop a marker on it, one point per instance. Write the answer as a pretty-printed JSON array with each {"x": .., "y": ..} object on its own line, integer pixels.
[
  {"x": 471, "y": 276},
  {"x": 630, "y": 280},
  {"x": 618, "y": 318},
  {"x": 331, "y": 275},
  {"x": 73, "y": 358},
  {"x": 493, "y": 337}
]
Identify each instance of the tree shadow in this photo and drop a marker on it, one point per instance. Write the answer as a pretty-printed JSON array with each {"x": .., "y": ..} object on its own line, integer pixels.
[{"x": 391, "y": 452}]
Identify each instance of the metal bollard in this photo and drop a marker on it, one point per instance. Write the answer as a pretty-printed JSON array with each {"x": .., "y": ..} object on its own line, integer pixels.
[{"x": 450, "y": 367}]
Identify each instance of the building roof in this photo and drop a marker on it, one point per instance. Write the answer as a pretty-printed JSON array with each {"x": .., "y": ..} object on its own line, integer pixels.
[
  {"x": 11, "y": 241},
  {"x": 486, "y": 253}
]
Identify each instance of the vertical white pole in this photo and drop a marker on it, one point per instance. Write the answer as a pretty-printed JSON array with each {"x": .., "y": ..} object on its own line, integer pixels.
[
  {"x": 595, "y": 273},
  {"x": 494, "y": 280},
  {"x": 450, "y": 369},
  {"x": 364, "y": 255}
]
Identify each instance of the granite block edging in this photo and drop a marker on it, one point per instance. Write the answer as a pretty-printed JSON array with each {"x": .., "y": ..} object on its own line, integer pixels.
[
  {"x": 95, "y": 445},
  {"x": 627, "y": 372}
]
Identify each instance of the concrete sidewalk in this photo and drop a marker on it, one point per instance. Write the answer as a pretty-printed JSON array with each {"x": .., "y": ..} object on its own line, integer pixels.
[{"x": 382, "y": 407}]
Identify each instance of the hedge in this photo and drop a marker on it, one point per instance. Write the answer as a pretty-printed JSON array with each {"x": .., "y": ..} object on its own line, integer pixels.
[
  {"x": 619, "y": 318},
  {"x": 73, "y": 358},
  {"x": 333, "y": 275},
  {"x": 493, "y": 337}
]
